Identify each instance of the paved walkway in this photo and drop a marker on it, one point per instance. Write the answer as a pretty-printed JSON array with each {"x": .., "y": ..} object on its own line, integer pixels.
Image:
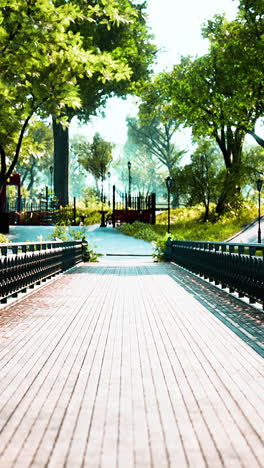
[
  {"x": 102, "y": 240},
  {"x": 249, "y": 233},
  {"x": 131, "y": 364}
]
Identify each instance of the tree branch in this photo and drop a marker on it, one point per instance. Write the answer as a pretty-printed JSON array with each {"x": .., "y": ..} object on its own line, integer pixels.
[{"x": 257, "y": 138}]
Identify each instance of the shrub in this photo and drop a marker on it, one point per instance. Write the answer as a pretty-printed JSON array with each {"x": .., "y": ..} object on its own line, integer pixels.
[
  {"x": 188, "y": 224},
  {"x": 64, "y": 233},
  {"x": 3, "y": 239},
  {"x": 139, "y": 230},
  {"x": 91, "y": 216}
]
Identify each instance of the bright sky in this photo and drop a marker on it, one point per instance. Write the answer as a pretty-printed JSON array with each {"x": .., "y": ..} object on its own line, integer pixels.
[{"x": 177, "y": 28}]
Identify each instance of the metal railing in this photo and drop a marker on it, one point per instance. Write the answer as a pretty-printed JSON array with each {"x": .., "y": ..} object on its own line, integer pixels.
[
  {"x": 23, "y": 265},
  {"x": 239, "y": 267},
  {"x": 127, "y": 208}
]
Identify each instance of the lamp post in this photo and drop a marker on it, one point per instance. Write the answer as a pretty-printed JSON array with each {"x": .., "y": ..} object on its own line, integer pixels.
[
  {"x": 129, "y": 183},
  {"x": 109, "y": 175},
  {"x": 102, "y": 184},
  {"x": 169, "y": 184},
  {"x": 51, "y": 178},
  {"x": 259, "y": 187}
]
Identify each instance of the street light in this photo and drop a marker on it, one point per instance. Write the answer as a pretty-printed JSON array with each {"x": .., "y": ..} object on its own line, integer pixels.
[
  {"x": 169, "y": 184},
  {"x": 129, "y": 183},
  {"x": 102, "y": 183},
  {"x": 259, "y": 187},
  {"x": 109, "y": 175},
  {"x": 51, "y": 178}
]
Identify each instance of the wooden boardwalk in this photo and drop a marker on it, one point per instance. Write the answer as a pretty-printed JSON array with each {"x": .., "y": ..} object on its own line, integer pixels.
[{"x": 130, "y": 364}]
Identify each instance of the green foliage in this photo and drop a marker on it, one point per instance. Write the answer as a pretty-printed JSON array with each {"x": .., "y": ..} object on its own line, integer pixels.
[
  {"x": 188, "y": 224},
  {"x": 91, "y": 216},
  {"x": 95, "y": 157},
  {"x": 65, "y": 234},
  {"x": 160, "y": 247},
  {"x": 36, "y": 157},
  {"x": 252, "y": 166},
  {"x": 147, "y": 175},
  {"x": 55, "y": 58},
  {"x": 65, "y": 217},
  {"x": 3, "y": 239},
  {"x": 39, "y": 61},
  {"x": 87, "y": 216},
  {"x": 118, "y": 41},
  {"x": 156, "y": 137},
  {"x": 90, "y": 199},
  {"x": 139, "y": 230},
  {"x": 200, "y": 181},
  {"x": 60, "y": 233},
  {"x": 218, "y": 95}
]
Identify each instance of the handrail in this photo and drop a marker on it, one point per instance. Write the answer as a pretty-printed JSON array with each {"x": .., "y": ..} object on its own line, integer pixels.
[
  {"x": 231, "y": 247},
  {"x": 232, "y": 265},
  {"x": 24, "y": 264},
  {"x": 15, "y": 247}
]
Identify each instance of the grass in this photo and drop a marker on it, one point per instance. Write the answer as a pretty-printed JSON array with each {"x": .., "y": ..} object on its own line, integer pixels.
[
  {"x": 187, "y": 224},
  {"x": 3, "y": 239}
]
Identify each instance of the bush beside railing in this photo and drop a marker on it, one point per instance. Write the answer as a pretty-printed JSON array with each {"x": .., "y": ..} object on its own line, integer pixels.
[
  {"x": 23, "y": 265},
  {"x": 239, "y": 267}
]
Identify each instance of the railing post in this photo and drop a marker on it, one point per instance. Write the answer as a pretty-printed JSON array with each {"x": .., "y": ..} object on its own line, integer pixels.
[
  {"x": 47, "y": 198},
  {"x": 85, "y": 251},
  {"x": 114, "y": 206},
  {"x": 168, "y": 250},
  {"x": 153, "y": 208}
]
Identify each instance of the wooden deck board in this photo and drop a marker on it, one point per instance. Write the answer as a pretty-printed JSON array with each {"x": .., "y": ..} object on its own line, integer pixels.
[{"x": 125, "y": 365}]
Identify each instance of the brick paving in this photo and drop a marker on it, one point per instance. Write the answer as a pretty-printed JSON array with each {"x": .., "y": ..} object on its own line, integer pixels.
[{"x": 130, "y": 364}]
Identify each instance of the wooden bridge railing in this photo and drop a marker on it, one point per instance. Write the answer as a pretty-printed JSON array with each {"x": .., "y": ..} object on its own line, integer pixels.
[
  {"x": 23, "y": 265},
  {"x": 239, "y": 267}
]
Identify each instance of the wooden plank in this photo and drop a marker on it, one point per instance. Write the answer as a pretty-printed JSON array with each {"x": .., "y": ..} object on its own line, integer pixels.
[{"x": 125, "y": 364}]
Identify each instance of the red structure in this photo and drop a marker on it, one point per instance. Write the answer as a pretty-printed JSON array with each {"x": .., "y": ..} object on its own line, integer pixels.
[
  {"x": 14, "y": 179},
  {"x": 129, "y": 209}
]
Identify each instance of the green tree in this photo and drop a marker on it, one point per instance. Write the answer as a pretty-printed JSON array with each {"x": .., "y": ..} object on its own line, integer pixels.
[
  {"x": 113, "y": 41},
  {"x": 252, "y": 167},
  {"x": 96, "y": 158},
  {"x": 198, "y": 99},
  {"x": 219, "y": 95},
  {"x": 42, "y": 54},
  {"x": 146, "y": 175},
  {"x": 38, "y": 62},
  {"x": 156, "y": 138},
  {"x": 200, "y": 181},
  {"x": 242, "y": 49}
]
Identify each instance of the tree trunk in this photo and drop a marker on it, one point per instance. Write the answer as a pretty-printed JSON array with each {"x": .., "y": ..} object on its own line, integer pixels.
[
  {"x": 61, "y": 163},
  {"x": 31, "y": 179},
  {"x": 231, "y": 145},
  {"x": 175, "y": 200},
  {"x": 207, "y": 210},
  {"x": 231, "y": 190},
  {"x": 4, "y": 222}
]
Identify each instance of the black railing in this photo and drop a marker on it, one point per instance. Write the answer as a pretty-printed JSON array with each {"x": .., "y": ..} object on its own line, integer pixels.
[
  {"x": 44, "y": 211},
  {"x": 239, "y": 267},
  {"x": 23, "y": 265}
]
